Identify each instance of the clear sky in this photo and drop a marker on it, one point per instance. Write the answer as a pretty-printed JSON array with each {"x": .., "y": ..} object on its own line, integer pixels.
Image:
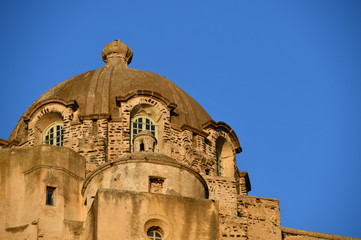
[{"x": 285, "y": 75}]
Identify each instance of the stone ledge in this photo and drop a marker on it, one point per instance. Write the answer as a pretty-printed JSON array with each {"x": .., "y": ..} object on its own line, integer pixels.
[
  {"x": 255, "y": 197},
  {"x": 293, "y": 231}
]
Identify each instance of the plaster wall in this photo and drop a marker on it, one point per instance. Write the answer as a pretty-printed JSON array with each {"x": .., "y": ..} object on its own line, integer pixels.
[
  {"x": 127, "y": 215},
  {"x": 136, "y": 174},
  {"x": 25, "y": 175}
]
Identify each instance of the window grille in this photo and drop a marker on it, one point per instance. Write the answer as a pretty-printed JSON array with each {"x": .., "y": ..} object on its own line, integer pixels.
[
  {"x": 140, "y": 124},
  {"x": 154, "y": 234},
  {"x": 54, "y": 135}
]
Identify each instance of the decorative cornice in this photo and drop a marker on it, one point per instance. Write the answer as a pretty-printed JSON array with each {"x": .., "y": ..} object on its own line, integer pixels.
[
  {"x": 11, "y": 143},
  {"x": 296, "y": 232},
  {"x": 30, "y": 112},
  {"x": 226, "y": 128},
  {"x": 148, "y": 93},
  {"x": 247, "y": 180},
  {"x": 3, "y": 142},
  {"x": 94, "y": 116},
  {"x": 53, "y": 167},
  {"x": 192, "y": 129}
]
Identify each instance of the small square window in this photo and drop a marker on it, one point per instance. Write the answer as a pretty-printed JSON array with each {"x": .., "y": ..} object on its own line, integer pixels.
[
  {"x": 50, "y": 195},
  {"x": 156, "y": 184}
]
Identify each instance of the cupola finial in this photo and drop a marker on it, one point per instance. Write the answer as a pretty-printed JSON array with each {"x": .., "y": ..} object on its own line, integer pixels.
[{"x": 117, "y": 53}]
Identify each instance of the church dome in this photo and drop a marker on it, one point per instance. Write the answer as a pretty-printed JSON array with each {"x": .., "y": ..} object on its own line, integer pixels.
[
  {"x": 96, "y": 92},
  {"x": 100, "y": 91}
]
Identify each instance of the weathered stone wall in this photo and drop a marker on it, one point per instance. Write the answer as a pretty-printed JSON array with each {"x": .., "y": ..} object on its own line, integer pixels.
[
  {"x": 25, "y": 174},
  {"x": 139, "y": 172},
  {"x": 118, "y": 139},
  {"x": 263, "y": 217},
  {"x": 179, "y": 217},
  {"x": 233, "y": 228},
  {"x": 244, "y": 183},
  {"x": 90, "y": 139},
  {"x": 296, "y": 234},
  {"x": 100, "y": 139},
  {"x": 223, "y": 190}
]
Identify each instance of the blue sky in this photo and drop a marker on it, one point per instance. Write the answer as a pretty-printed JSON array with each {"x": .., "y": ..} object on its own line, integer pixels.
[{"x": 285, "y": 75}]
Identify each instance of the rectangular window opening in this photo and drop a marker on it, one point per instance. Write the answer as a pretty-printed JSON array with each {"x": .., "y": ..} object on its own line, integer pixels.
[
  {"x": 156, "y": 184},
  {"x": 50, "y": 195}
]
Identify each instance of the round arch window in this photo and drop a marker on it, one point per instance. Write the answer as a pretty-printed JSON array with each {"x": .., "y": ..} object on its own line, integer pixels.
[
  {"x": 155, "y": 233},
  {"x": 143, "y": 124},
  {"x": 54, "y": 135},
  {"x": 140, "y": 124},
  {"x": 219, "y": 161},
  {"x": 224, "y": 158}
]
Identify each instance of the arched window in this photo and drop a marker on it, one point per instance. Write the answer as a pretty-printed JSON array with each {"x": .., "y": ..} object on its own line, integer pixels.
[
  {"x": 155, "y": 233},
  {"x": 54, "y": 135},
  {"x": 224, "y": 158},
  {"x": 219, "y": 162},
  {"x": 142, "y": 124}
]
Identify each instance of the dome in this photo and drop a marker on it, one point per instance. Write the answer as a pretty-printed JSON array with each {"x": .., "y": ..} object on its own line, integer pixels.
[
  {"x": 109, "y": 83},
  {"x": 99, "y": 92}
]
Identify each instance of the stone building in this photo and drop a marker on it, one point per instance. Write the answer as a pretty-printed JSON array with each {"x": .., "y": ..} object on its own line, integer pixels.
[{"x": 120, "y": 153}]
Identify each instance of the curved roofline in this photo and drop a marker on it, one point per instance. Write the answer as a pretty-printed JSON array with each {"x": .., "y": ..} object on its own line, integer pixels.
[
  {"x": 118, "y": 86},
  {"x": 149, "y": 93},
  {"x": 33, "y": 108},
  {"x": 225, "y": 127},
  {"x": 144, "y": 157},
  {"x": 192, "y": 129}
]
